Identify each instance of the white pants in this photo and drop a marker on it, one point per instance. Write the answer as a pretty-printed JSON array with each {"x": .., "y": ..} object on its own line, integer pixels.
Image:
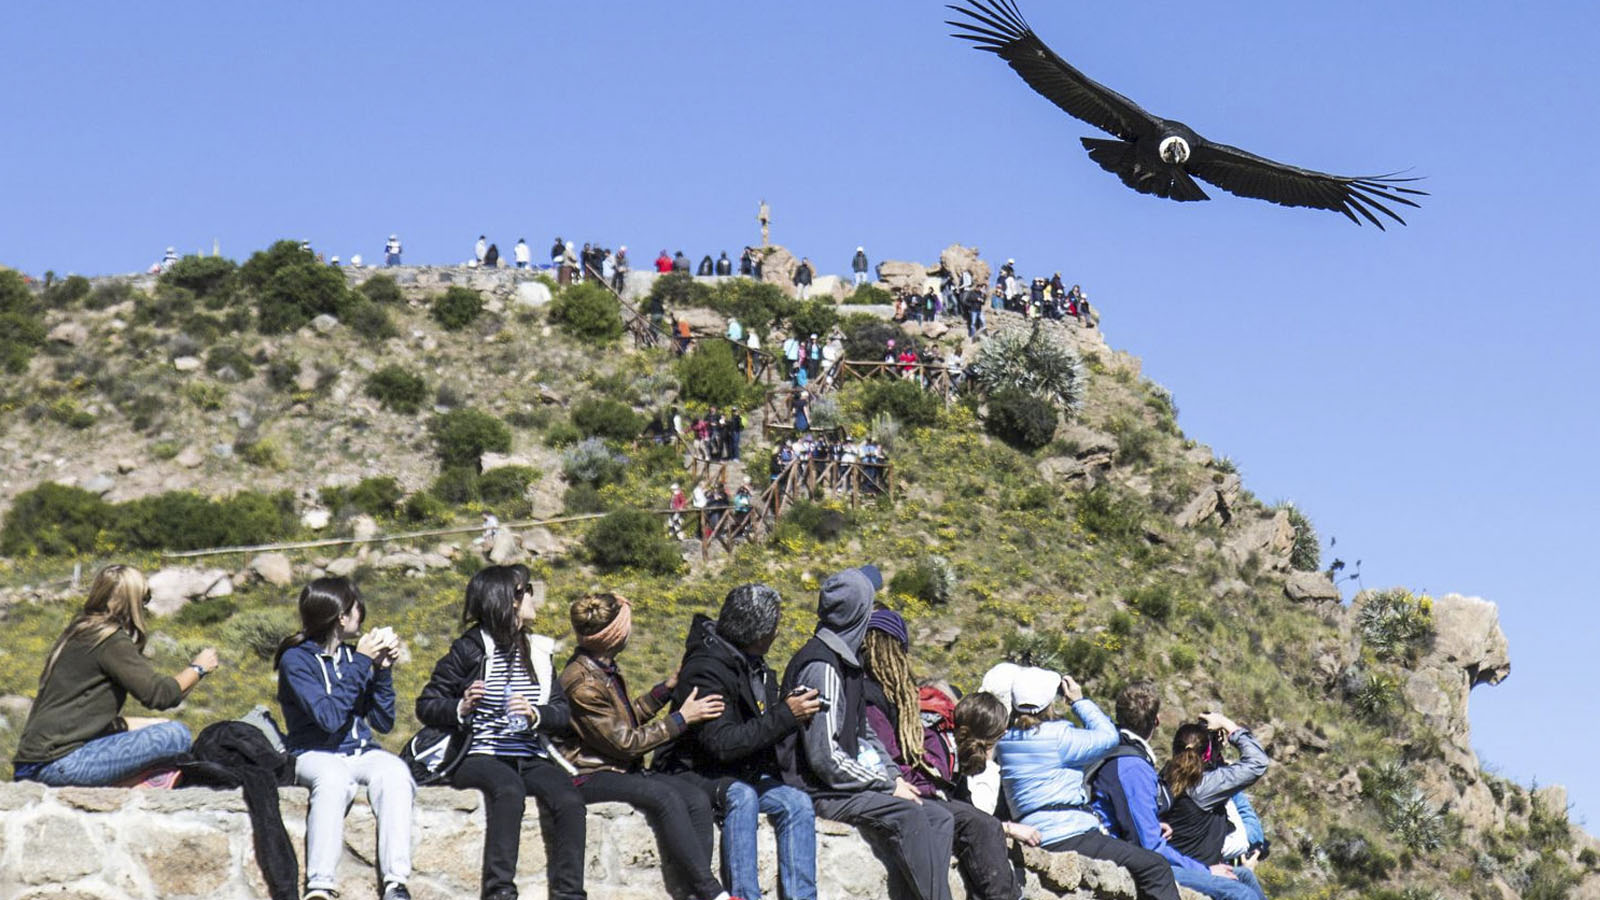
[{"x": 333, "y": 779}]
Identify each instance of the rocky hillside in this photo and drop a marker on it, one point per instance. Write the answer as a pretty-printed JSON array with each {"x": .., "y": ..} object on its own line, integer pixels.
[{"x": 1116, "y": 548}]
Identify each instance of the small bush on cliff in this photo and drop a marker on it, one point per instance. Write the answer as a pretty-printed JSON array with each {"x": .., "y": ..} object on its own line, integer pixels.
[
  {"x": 903, "y": 400},
  {"x": 262, "y": 265},
  {"x": 1306, "y": 555},
  {"x": 1020, "y": 420},
  {"x": 1395, "y": 624},
  {"x": 590, "y": 462},
  {"x": 709, "y": 374},
  {"x": 931, "y": 579},
  {"x": 757, "y": 305},
  {"x": 869, "y": 295},
  {"x": 21, "y": 331},
  {"x": 68, "y": 293},
  {"x": 506, "y": 488},
  {"x": 608, "y": 419},
  {"x": 676, "y": 290},
  {"x": 53, "y": 520},
  {"x": 632, "y": 539},
  {"x": 397, "y": 389},
  {"x": 369, "y": 320},
  {"x": 456, "y": 308},
  {"x": 299, "y": 292},
  {"x": 1039, "y": 362},
  {"x": 461, "y": 436},
  {"x": 867, "y": 337},
  {"x": 824, "y": 523},
  {"x": 587, "y": 312},
  {"x": 211, "y": 278},
  {"x": 378, "y": 497},
  {"x": 229, "y": 363},
  {"x": 381, "y": 289},
  {"x": 813, "y": 317}
]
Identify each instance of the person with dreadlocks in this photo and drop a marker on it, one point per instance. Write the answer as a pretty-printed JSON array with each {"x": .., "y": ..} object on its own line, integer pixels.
[{"x": 895, "y": 712}]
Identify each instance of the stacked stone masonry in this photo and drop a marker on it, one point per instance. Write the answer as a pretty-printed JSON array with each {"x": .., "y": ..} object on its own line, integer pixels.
[{"x": 194, "y": 844}]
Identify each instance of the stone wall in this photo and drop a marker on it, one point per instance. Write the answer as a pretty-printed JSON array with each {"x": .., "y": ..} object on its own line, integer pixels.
[{"x": 189, "y": 844}]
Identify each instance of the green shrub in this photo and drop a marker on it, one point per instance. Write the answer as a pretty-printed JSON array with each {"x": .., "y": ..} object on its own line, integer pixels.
[
  {"x": 423, "y": 508},
  {"x": 507, "y": 487},
  {"x": 587, "y": 312},
  {"x": 206, "y": 611},
  {"x": 22, "y": 333},
  {"x": 457, "y": 485},
  {"x": 283, "y": 373},
  {"x": 824, "y": 523},
  {"x": 63, "y": 294},
  {"x": 181, "y": 520},
  {"x": 607, "y": 419},
  {"x": 1020, "y": 419},
  {"x": 229, "y": 363},
  {"x": 1356, "y": 860},
  {"x": 757, "y": 305},
  {"x": 264, "y": 453},
  {"x": 108, "y": 294},
  {"x": 1040, "y": 363},
  {"x": 1306, "y": 555},
  {"x": 206, "y": 395},
  {"x": 262, "y": 265},
  {"x": 677, "y": 290},
  {"x": 53, "y": 520},
  {"x": 582, "y": 498},
  {"x": 1374, "y": 696},
  {"x": 562, "y": 434},
  {"x": 369, "y": 320},
  {"x": 461, "y": 436},
  {"x": 67, "y": 411},
  {"x": 1136, "y": 442},
  {"x": 381, "y": 289},
  {"x": 867, "y": 337},
  {"x": 259, "y": 630},
  {"x": 632, "y": 539},
  {"x": 931, "y": 579},
  {"x": 298, "y": 293},
  {"x": 709, "y": 374},
  {"x": 1182, "y": 657},
  {"x": 1120, "y": 623},
  {"x": 377, "y": 497},
  {"x": 456, "y": 308},
  {"x": 204, "y": 328},
  {"x": 869, "y": 295},
  {"x": 591, "y": 462},
  {"x": 1395, "y": 624},
  {"x": 1154, "y": 602},
  {"x": 906, "y": 401},
  {"x": 1415, "y": 822},
  {"x": 207, "y": 277},
  {"x": 1109, "y": 515},
  {"x": 397, "y": 389},
  {"x": 813, "y": 317}
]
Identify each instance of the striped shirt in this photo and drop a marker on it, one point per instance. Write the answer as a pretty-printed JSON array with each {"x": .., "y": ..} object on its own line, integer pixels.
[{"x": 492, "y": 732}]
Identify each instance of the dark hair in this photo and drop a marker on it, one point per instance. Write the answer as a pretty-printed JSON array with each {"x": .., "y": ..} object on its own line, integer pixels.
[
  {"x": 1138, "y": 705},
  {"x": 980, "y": 721},
  {"x": 1187, "y": 764},
  {"x": 492, "y": 601},
  {"x": 749, "y": 615},
  {"x": 322, "y": 604}
]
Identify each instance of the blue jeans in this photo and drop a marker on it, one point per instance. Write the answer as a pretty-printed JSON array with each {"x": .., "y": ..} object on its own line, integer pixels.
[
  {"x": 1247, "y": 815},
  {"x": 792, "y": 817},
  {"x": 391, "y": 259},
  {"x": 1215, "y": 886},
  {"x": 116, "y": 757}
]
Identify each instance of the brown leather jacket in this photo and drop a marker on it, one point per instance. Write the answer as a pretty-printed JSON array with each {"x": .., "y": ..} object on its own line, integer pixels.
[{"x": 612, "y": 735}]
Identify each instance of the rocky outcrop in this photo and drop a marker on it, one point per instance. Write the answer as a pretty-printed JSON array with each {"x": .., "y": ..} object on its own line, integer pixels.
[
  {"x": 1216, "y": 499},
  {"x": 1468, "y": 649},
  {"x": 907, "y": 276},
  {"x": 1268, "y": 539},
  {"x": 957, "y": 259},
  {"x": 171, "y": 589},
  {"x": 189, "y": 844}
]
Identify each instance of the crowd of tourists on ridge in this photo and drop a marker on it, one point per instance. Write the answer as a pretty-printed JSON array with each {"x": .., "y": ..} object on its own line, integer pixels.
[{"x": 847, "y": 732}]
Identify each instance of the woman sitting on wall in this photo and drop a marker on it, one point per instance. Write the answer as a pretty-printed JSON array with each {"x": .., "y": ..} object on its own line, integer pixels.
[
  {"x": 333, "y": 697},
  {"x": 76, "y": 734}
]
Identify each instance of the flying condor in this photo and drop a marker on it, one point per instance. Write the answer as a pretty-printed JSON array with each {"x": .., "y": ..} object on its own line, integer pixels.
[{"x": 1160, "y": 156}]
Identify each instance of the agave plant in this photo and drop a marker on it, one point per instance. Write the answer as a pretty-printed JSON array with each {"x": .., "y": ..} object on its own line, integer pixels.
[{"x": 1039, "y": 363}]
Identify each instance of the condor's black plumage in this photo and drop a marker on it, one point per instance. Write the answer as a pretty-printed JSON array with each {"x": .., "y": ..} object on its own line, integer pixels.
[{"x": 1158, "y": 156}]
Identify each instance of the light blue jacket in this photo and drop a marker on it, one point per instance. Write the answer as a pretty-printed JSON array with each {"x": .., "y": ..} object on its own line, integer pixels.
[{"x": 1042, "y": 772}]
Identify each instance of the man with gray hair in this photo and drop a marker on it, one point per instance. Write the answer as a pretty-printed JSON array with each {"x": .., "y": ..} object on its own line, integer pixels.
[{"x": 734, "y": 755}]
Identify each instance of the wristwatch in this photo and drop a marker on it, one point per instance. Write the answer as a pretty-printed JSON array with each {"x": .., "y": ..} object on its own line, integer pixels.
[{"x": 199, "y": 668}]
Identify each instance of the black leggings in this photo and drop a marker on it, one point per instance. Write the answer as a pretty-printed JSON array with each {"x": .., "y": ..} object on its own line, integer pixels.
[
  {"x": 506, "y": 782},
  {"x": 1152, "y": 874},
  {"x": 981, "y": 852},
  {"x": 678, "y": 811}
]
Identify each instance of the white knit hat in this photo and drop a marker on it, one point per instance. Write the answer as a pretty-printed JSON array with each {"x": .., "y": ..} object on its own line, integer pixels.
[
  {"x": 998, "y": 680},
  {"x": 1034, "y": 689}
]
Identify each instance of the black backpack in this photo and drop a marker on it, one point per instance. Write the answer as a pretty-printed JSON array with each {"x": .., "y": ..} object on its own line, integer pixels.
[{"x": 433, "y": 754}]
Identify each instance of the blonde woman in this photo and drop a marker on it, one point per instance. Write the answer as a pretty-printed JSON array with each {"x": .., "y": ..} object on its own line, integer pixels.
[{"x": 76, "y": 734}]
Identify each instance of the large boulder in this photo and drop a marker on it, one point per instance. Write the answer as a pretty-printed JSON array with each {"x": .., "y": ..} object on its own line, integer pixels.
[
  {"x": 70, "y": 333},
  {"x": 1268, "y": 539},
  {"x": 273, "y": 568},
  {"x": 908, "y": 276},
  {"x": 532, "y": 294},
  {"x": 506, "y": 549},
  {"x": 171, "y": 589},
  {"x": 777, "y": 267},
  {"x": 957, "y": 259},
  {"x": 1311, "y": 587}
]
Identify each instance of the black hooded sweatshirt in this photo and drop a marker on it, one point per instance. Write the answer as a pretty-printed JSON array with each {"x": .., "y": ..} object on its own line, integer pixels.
[{"x": 741, "y": 743}]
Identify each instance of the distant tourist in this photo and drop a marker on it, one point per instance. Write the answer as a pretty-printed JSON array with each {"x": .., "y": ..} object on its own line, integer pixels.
[
  {"x": 707, "y": 267},
  {"x": 680, "y": 263},
  {"x": 858, "y": 266},
  {"x": 557, "y": 250},
  {"x": 619, "y": 270},
  {"x": 724, "y": 264},
  {"x": 170, "y": 259},
  {"x": 663, "y": 262},
  {"x": 520, "y": 254},
  {"x": 802, "y": 279},
  {"x": 391, "y": 251},
  {"x": 76, "y": 733},
  {"x": 747, "y": 265},
  {"x": 480, "y": 249},
  {"x": 491, "y": 257}
]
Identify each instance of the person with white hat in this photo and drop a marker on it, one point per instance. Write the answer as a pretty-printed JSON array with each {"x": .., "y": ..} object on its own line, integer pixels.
[
  {"x": 1042, "y": 759},
  {"x": 858, "y": 266},
  {"x": 391, "y": 251}
]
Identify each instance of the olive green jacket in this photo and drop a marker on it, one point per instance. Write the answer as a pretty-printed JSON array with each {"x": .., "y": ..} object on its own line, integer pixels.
[{"x": 83, "y": 698}]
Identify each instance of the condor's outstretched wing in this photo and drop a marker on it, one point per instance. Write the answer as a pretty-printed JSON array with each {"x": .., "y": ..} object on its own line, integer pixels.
[
  {"x": 1239, "y": 172},
  {"x": 997, "y": 26}
]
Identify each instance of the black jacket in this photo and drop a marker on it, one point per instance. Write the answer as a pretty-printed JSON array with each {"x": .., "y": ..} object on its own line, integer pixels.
[
  {"x": 802, "y": 275},
  {"x": 742, "y": 742},
  {"x": 436, "y": 705},
  {"x": 706, "y": 265},
  {"x": 724, "y": 265},
  {"x": 230, "y": 755}
]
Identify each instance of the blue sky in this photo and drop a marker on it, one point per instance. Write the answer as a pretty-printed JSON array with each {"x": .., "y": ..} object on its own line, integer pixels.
[{"x": 1424, "y": 394}]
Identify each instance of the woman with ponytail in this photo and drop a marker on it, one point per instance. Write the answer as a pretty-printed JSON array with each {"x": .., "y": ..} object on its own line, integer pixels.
[
  {"x": 496, "y": 690},
  {"x": 919, "y": 744},
  {"x": 613, "y": 733},
  {"x": 76, "y": 734},
  {"x": 334, "y": 696},
  {"x": 1201, "y": 785}
]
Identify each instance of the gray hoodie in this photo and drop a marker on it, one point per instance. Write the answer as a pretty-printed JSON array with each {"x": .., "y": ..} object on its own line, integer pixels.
[{"x": 843, "y": 608}]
